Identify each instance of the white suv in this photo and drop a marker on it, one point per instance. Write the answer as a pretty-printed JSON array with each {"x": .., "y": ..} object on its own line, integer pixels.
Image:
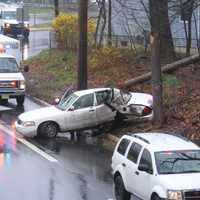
[{"x": 156, "y": 166}]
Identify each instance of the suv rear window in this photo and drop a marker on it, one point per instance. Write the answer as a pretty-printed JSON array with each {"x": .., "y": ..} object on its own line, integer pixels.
[
  {"x": 123, "y": 146},
  {"x": 134, "y": 152}
]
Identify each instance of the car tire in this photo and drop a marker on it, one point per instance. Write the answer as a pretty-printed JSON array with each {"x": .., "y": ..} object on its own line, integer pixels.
[
  {"x": 119, "y": 189},
  {"x": 20, "y": 100},
  {"x": 4, "y": 101},
  {"x": 48, "y": 130},
  {"x": 156, "y": 197}
]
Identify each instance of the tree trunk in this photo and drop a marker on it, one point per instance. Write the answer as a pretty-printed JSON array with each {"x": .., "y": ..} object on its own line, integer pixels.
[
  {"x": 56, "y": 7},
  {"x": 188, "y": 46},
  {"x": 156, "y": 80},
  {"x": 109, "y": 22},
  {"x": 159, "y": 20}
]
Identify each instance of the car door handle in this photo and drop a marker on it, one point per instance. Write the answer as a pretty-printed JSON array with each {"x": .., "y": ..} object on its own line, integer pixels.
[
  {"x": 137, "y": 173},
  {"x": 123, "y": 164},
  {"x": 91, "y": 110}
]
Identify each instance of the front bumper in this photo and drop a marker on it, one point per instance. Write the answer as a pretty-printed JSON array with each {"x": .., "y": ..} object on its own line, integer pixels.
[
  {"x": 11, "y": 93},
  {"x": 26, "y": 131}
]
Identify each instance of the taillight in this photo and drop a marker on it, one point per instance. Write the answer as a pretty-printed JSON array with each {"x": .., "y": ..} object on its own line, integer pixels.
[{"x": 146, "y": 110}]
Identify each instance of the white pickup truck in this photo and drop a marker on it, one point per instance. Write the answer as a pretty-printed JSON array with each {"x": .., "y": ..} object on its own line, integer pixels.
[{"x": 12, "y": 82}]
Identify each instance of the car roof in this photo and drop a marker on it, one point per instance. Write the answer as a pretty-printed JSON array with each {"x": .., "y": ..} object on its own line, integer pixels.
[
  {"x": 163, "y": 141},
  {"x": 88, "y": 91},
  {"x": 4, "y": 55}
]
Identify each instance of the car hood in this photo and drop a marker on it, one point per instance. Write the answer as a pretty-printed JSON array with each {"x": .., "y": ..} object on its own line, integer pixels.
[
  {"x": 39, "y": 114},
  {"x": 181, "y": 181},
  {"x": 11, "y": 76},
  {"x": 141, "y": 99}
]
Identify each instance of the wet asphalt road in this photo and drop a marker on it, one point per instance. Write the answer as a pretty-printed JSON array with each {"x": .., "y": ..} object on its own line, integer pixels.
[
  {"x": 80, "y": 168},
  {"x": 58, "y": 169}
]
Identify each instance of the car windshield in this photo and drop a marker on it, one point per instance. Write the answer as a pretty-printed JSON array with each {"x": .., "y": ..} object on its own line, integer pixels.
[
  {"x": 66, "y": 102},
  {"x": 9, "y": 15},
  {"x": 8, "y": 65},
  {"x": 178, "y": 162}
]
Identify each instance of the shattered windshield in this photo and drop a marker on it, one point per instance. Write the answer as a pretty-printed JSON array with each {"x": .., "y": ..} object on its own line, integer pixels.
[
  {"x": 8, "y": 65},
  {"x": 66, "y": 102},
  {"x": 177, "y": 162}
]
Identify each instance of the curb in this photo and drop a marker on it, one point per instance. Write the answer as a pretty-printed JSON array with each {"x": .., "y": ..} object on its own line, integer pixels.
[
  {"x": 38, "y": 101},
  {"x": 41, "y": 29},
  {"x": 109, "y": 136}
]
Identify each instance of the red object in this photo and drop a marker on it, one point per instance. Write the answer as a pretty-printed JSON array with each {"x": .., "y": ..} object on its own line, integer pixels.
[{"x": 146, "y": 110}]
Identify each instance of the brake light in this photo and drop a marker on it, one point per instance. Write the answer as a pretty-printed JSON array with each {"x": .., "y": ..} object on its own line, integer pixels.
[
  {"x": 146, "y": 110},
  {"x": 2, "y": 49}
]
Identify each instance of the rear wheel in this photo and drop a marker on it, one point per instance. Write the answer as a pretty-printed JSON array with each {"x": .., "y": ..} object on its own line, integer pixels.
[
  {"x": 20, "y": 100},
  {"x": 48, "y": 130},
  {"x": 119, "y": 189}
]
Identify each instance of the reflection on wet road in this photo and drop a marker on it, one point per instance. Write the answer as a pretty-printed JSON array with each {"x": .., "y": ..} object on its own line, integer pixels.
[{"x": 82, "y": 170}]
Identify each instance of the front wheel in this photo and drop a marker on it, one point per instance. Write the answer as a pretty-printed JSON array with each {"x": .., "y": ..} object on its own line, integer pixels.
[
  {"x": 20, "y": 100},
  {"x": 119, "y": 189},
  {"x": 48, "y": 130},
  {"x": 156, "y": 197}
]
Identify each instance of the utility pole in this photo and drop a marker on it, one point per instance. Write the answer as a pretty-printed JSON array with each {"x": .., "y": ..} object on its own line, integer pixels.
[
  {"x": 83, "y": 44},
  {"x": 56, "y": 7},
  {"x": 156, "y": 79}
]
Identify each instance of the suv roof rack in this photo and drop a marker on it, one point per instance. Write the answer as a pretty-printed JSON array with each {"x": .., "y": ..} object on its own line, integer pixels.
[{"x": 140, "y": 138}]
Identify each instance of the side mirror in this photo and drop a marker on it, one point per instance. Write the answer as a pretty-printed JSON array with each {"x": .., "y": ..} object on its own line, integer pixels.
[
  {"x": 56, "y": 100},
  {"x": 145, "y": 168},
  {"x": 26, "y": 68},
  {"x": 71, "y": 108}
]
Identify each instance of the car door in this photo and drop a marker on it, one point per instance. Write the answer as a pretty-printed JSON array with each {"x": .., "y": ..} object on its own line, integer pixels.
[
  {"x": 144, "y": 179},
  {"x": 130, "y": 167},
  {"x": 104, "y": 113},
  {"x": 83, "y": 113}
]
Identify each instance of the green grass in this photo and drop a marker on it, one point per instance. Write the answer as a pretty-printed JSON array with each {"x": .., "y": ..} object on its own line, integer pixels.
[
  {"x": 41, "y": 10},
  {"x": 44, "y": 25}
]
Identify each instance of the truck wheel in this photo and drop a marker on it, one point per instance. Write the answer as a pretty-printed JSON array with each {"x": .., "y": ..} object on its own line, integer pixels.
[
  {"x": 119, "y": 189},
  {"x": 48, "y": 130},
  {"x": 156, "y": 197},
  {"x": 20, "y": 100},
  {"x": 26, "y": 34}
]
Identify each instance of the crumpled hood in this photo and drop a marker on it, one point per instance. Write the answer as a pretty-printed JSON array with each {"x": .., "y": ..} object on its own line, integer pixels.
[
  {"x": 141, "y": 99},
  {"x": 181, "y": 181},
  {"x": 11, "y": 76},
  {"x": 41, "y": 113}
]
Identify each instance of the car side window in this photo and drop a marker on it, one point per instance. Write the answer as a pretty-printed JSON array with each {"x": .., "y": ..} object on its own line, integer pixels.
[
  {"x": 146, "y": 159},
  {"x": 134, "y": 152},
  {"x": 84, "y": 101},
  {"x": 123, "y": 146}
]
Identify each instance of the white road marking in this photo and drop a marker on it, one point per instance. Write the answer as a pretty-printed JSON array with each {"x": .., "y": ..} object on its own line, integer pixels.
[
  {"x": 3, "y": 108},
  {"x": 34, "y": 148}
]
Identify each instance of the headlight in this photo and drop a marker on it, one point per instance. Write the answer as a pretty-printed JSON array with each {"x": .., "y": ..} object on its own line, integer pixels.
[
  {"x": 174, "y": 195},
  {"x": 28, "y": 123},
  {"x": 26, "y": 25},
  {"x": 7, "y": 25},
  {"x": 22, "y": 85}
]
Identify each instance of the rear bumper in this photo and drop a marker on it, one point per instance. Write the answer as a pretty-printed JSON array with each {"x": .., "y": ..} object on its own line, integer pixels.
[{"x": 16, "y": 31}]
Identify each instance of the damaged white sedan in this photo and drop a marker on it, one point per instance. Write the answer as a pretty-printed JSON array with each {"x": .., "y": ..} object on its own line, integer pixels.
[{"x": 85, "y": 109}]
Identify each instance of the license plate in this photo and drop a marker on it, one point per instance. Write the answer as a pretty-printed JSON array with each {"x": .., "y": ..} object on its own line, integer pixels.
[{"x": 5, "y": 96}]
